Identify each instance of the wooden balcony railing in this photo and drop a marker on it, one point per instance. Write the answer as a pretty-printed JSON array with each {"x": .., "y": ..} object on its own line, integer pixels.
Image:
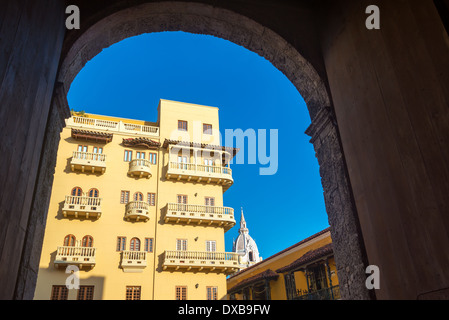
[
  {"x": 82, "y": 206},
  {"x": 88, "y": 161},
  {"x": 227, "y": 262},
  {"x": 81, "y": 256},
  {"x": 200, "y": 214}
]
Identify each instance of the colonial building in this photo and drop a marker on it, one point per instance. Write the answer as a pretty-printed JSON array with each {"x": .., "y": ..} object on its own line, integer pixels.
[
  {"x": 304, "y": 271},
  {"x": 245, "y": 246},
  {"x": 138, "y": 208}
]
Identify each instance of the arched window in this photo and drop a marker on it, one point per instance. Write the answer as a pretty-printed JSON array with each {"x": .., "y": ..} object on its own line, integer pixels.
[
  {"x": 138, "y": 196},
  {"x": 77, "y": 192},
  {"x": 69, "y": 240},
  {"x": 87, "y": 241},
  {"x": 93, "y": 193},
  {"x": 135, "y": 244},
  {"x": 250, "y": 256}
]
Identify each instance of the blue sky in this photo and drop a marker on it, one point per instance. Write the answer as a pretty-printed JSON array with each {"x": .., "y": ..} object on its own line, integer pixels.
[{"x": 128, "y": 79}]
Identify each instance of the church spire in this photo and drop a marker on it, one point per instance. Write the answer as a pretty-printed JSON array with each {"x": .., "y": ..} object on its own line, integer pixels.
[{"x": 243, "y": 228}]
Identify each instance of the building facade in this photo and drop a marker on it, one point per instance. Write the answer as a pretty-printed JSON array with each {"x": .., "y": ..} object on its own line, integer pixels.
[
  {"x": 137, "y": 207},
  {"x": 304, "y": 271},
  {"x": 245, "y": 246}
]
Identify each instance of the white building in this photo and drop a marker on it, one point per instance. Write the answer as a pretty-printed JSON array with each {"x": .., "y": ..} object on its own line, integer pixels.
[{"x": 245, "y": 246}]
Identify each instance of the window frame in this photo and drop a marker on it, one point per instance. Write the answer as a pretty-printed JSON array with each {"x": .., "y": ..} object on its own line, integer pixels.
[
  {"x": 207, "y": 128},
  {"x": 133, "y": 292},
  {"x": 181, "y": 124},
  {"x": 87, "y": 238},
  {"x": 149, "y": 245},
  {"x": 124, "y": 196},
  {"x": 211, "y": 293},
  {"x": 128, "y": 155},
  {"x": 182, "y": 293},
  {"x": 84, "y": 294},
  {"x": 120, "y": 244},
  {"x": 58, "y": 292},
  {"x": 151, "y": 198},
  {"x": 134, "y": 244}
]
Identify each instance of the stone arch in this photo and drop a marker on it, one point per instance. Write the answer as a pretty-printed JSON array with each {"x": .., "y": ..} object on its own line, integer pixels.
[
  {"x": 349, "y": 250},
  {"x": 198, "y": 19}
]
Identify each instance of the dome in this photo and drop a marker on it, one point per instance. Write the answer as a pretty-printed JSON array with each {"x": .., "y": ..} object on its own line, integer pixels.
[{"x": 245, "y": 246}]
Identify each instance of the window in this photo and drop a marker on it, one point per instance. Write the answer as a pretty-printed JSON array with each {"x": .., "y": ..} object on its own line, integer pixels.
[
  {"x": 181, "y": 244},
  {"x": 182, "y": 125},
  {"x": 207, "y": 128},
  {"x": 59, "y": 293},
  {"x": 82, "y": 148},
  {"x": 86, "y": 293},
  {"x": 69, "y": 240},
  {"x": 87, "y": 241},
  {"x": 153, "y": 158},
  {"x": 134, "y": 244},
  {"x": 182, "y": 202},
  {"x": 149, "y": 244},
  {"x": 140, "y": 155},
  {"x": 182, "y": 162},
  {"x": 208, "y": 163},
  {"x": 98, "y": 150},
  {"x": 210, "y": 202},
  {"x": 138, "y": 196},
  {"x": 77, "y": 192},
  {"x": 132, "y": 292},
  {"x": 93, "y": 193},
  {"x": 151, "y": 199},
  {"x": 212, "y": 293},
  {"x": 128, "y": 155},
  {"x": 121, "y": 244},
  {"x": 181, "y": 293},
  {"x": 124, "y": 196},
  {"x": 211, "y": 245}
]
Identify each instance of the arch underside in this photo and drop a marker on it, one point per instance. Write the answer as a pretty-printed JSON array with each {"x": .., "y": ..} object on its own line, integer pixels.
[{"x": 198, "y": 19}]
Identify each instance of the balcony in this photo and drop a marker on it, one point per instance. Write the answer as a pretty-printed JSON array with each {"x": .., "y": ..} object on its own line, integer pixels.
[
  {"x": 331, "y": 293},
  {"x": 140, "y": 168},
  {"x": 83, "y": 257},
  {"x": 133, "y": 261},
  {"x": 137, "y": 211},
  {"x": 200, "y": 173},
  {"x": 113, "y": 126},
  {"x": 87, "y": 207},
  {"x": 87, "y": 161},
  {"x": 200, "y": 214},
  {"x": 226, "y": 262}
]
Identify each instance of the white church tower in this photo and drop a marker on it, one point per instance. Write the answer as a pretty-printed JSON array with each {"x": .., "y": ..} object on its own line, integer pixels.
[{"x": 245, "y": 246}]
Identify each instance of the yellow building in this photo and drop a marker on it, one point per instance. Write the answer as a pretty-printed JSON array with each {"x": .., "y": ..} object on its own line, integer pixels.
[
  {"x": 304, "y": 271},
  {"x": 138, "y": 208}
]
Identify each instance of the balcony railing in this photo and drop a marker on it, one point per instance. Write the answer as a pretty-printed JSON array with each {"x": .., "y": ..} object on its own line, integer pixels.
[
  {"x": 200, "y": 214},
  {"x": 133, "y": 261},
  {"x": 87, "y": 161},
  {"x": 140, "y": 168},
  {"x": 80, "y": 256},
  {"x": 200, "y": 173},
  {"x": 82, "y": 206},
  {"x": 137, "y": 211},
  {"x": 114, "y": 126},
  {"x": 226, "y": 262},
  {"x": 331, "y": 293}
]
